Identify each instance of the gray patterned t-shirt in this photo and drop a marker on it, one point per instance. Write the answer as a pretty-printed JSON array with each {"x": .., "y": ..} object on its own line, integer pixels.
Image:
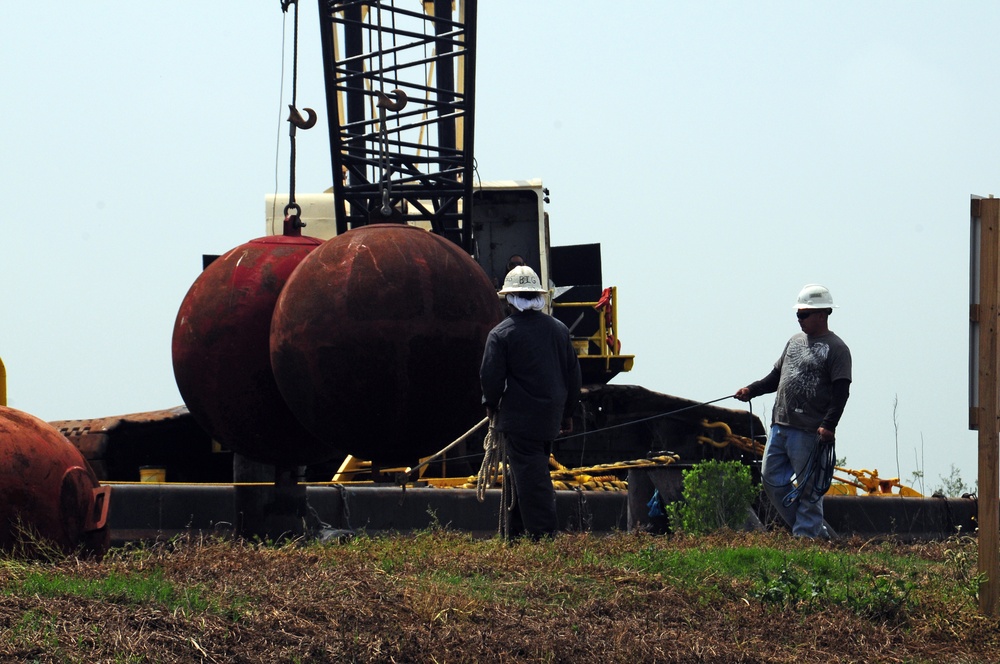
[{"x": 808, "y": 367}]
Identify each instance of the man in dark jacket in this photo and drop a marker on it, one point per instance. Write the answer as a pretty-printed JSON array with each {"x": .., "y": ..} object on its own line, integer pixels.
[{"x": 530, "y": 377}]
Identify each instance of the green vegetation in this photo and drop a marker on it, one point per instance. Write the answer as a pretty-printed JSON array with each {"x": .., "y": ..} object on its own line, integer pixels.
[
  {"x": 414, "y": 598},
  {"x": 715, "y": 494},
  {"x": 127, "y": 588},
  {"x": 953, "y": 485}
]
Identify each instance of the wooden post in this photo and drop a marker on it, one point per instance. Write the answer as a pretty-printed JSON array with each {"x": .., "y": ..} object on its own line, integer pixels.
[{"x": 986, "y": 313}]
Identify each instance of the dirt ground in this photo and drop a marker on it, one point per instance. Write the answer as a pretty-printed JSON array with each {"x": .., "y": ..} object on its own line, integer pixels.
[{"x": 445, "y": 598}]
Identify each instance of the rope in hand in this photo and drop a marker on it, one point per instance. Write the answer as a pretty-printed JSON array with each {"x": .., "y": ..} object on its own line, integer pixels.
[
  {"x": 493, "y": 470},
  {"x": 495, "y": 448},
  {"x": 822, "y": 461},
  {"x": 819, "y": 469},
  {"x": 645, "y": 419},
  {"x": 827, "y": 460}
]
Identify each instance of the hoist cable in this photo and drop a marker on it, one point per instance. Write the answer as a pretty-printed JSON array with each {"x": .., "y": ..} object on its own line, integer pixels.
[
  {"x": 384, "y": 188},
  {"x": 291, "y": 125},
  {"x": 277, "y": 138}
]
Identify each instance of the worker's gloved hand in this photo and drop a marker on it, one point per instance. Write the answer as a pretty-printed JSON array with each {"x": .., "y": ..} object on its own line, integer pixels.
[
  {"x": 490, "y": 412},
  {"x": 825, "y": 435},
  {"x": 566, "y": 426},
  {"x": 743, "y": 394}
]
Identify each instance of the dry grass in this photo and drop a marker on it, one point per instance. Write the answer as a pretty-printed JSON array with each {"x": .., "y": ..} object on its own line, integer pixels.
[{"x": 440, "y": 596}]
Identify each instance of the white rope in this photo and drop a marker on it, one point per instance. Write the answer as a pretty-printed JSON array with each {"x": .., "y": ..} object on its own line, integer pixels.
[
  {"x": 494, "y": 446},
  {"x": 493, "y": 470}
]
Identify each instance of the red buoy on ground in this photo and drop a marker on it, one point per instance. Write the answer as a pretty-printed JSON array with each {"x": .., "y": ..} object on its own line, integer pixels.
[
  {"x": 48, "y": 490},
  {"x": 377, "y": 339},
  {"x": 221, "y": 353}
]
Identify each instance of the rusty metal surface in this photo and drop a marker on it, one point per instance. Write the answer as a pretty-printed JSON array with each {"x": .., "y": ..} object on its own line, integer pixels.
[
  {"x": 377, "y": 339},
  {"x": 46, "y": 485},
  {"x": 221, "y": 353}
]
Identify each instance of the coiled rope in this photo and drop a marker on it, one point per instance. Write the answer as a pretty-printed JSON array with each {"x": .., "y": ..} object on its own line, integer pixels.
[
  {"x": 493, "y": 470},
  {"x": 819, "y": 468},
  {"x": 495, "y": 448}
]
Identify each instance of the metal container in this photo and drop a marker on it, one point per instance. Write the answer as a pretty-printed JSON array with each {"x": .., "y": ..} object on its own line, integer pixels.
[
  {"x": 377, "y": 339},
  {"x": 48, "y": 493},
  {"x": 221, "y": 353}
]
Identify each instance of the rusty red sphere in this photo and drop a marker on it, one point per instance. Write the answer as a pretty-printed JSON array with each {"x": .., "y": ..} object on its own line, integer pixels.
[
  {"x": 221, "y": 353},
  {"x": 377, "y": 339},
  {"x": 47, "y": 489}
]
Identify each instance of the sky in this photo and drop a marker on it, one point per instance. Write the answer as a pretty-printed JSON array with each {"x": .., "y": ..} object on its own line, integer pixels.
[{"x": 724, "y": 154}]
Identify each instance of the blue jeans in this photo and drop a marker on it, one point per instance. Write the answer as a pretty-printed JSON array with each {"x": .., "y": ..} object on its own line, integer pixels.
[{"x": 789, "y": 453}]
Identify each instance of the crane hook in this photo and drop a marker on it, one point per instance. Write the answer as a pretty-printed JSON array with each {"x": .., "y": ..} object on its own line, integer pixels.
[
  {"x": 397, "y": 102},
  {"x": 296, "y": 118}
]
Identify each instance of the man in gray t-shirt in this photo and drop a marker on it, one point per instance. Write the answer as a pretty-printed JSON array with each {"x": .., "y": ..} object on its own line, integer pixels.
[{"x": 812, "y": 379}]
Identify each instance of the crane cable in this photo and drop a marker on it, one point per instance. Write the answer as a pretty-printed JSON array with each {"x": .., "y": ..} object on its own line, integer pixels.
[
  {"x": 383, "y": 156},
  {"x": 295, "y": 121},
  {"x": 394, "y": 101}
]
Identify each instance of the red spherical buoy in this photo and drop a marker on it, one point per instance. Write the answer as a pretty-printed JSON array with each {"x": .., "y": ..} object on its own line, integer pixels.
[
  {"x": 377, "y": 339},
  {"x": 221, "y": 353},
  {"x": 48, "y": 490}
]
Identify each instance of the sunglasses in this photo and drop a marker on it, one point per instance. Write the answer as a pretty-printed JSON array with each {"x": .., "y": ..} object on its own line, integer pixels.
[{"x": 802, "y": 315}]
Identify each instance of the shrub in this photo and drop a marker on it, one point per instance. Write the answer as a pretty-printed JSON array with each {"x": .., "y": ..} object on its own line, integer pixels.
[{"x": 715, "y": 494}]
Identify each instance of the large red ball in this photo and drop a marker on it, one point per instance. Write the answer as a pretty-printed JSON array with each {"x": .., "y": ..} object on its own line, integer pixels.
[
  {"x": 377, "y": 339},
  {"x": 221, "y": 353},
  {"x": 48, "y": 489}
]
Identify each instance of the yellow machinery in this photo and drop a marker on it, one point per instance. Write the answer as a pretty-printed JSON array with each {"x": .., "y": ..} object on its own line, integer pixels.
[
  {"x": 866, "y": 481},
  {"x": 598, "y": 351}
]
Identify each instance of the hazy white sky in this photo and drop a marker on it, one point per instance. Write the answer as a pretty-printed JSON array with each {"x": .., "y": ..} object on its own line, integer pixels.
[{"x": 723, "y": 153}]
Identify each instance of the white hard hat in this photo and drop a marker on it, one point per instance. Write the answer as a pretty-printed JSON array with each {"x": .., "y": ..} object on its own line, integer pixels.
[
  {"x": 522, "y": 279},
  {"x": 814, "y": 296}
]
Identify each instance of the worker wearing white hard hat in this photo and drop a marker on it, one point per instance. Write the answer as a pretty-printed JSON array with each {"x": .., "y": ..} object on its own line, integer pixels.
[
  {"x": 531, "y": 382},
  {"x": 812, "y": 379},
  {"x": 814, "y": 296}
]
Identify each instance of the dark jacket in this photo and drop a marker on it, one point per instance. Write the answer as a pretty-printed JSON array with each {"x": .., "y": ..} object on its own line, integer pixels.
[{"x": 530, "y": 375}]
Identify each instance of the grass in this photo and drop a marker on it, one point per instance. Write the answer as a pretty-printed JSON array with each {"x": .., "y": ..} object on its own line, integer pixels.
[{"x": 444, "y": 596}]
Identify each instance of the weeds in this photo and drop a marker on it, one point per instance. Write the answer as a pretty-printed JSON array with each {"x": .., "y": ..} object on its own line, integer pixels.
[
  {"x": 621, "y": 598},
  {"x": 885, "y": 598}
]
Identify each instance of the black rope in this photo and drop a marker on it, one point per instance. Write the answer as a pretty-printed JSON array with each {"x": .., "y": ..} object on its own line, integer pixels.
[
  {"x": 822, "y": 462},
  {"x": 645, "y": 419},
  {"x": 821, "y": 465},
  {"x": 827, "y": 459}
]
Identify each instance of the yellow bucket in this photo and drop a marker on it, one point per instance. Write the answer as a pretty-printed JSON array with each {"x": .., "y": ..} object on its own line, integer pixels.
[{"x": 152, "y": 474}]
